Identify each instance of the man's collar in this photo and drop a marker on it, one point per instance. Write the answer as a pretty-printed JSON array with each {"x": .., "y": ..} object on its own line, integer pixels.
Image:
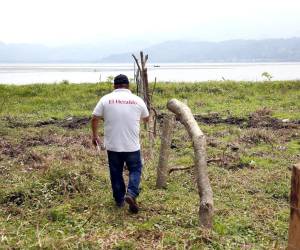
[{"x": 122, "y": 90}]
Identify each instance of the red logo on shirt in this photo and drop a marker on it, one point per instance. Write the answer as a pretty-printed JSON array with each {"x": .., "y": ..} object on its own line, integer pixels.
[{"x": 117, "y": 101}]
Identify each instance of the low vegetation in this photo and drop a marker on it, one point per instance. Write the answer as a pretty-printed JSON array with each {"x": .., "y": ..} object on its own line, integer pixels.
[{"x": 55, "y": 189}]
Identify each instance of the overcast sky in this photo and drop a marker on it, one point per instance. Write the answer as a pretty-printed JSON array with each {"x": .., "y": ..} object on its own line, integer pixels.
[{"x": 60, "y": 22}]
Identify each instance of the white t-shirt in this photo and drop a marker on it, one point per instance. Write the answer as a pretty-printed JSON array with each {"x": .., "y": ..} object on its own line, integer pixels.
[{"x": 122, "y": 112}]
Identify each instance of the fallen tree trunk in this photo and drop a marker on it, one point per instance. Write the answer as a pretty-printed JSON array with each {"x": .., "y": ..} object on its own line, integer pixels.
[{"x": 186, "y": 117}]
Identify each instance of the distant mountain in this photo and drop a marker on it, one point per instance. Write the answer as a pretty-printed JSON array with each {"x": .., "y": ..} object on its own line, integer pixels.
[
  {"x": 35, "y": 53},
  {"x": 268, "y": 50},
  {"x": 227, "y": 51}
]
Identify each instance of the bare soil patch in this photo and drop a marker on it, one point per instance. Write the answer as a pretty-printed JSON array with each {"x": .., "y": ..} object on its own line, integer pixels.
[
  {"x": 26, "y": 153},
  {"x": 70, "y": 122},
  {"x": 259, "y": 119}
]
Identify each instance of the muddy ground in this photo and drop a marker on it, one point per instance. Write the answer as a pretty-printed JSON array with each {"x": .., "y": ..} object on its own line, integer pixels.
[{"x": 259, "y": 127}]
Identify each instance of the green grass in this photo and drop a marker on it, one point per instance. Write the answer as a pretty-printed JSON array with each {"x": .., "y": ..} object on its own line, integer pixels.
[{"x": 55, "y": 189}]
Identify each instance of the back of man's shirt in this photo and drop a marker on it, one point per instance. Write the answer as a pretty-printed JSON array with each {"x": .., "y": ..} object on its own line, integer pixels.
[{"x": 122, "y": 112}]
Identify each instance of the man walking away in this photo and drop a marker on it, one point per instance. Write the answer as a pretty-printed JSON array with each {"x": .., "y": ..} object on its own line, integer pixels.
[{"x": 122, "y": 112}]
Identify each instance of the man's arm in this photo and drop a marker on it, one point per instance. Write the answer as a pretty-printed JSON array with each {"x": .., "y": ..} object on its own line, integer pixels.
[{"x": 94, "y": 123}]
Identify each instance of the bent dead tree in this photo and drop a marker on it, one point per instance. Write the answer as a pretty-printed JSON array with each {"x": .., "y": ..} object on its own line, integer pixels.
[
  {"x": 141, "y": 78},
  {"x": 183, "y": 112}
]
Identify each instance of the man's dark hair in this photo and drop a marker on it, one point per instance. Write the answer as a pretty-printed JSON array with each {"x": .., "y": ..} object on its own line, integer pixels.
[{"x": 121, "y": 80}]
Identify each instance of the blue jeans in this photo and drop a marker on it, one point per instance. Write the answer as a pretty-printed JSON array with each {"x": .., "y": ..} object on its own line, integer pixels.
[{"x": 116, "y": 162}]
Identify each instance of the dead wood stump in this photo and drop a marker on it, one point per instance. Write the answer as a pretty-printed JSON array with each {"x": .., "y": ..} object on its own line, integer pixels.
[
  {"x": 162, "y": 168},
  {"x": 294, "y": 228}
]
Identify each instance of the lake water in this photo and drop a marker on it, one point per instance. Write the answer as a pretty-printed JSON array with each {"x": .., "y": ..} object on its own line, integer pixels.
[{"x": 78, "y": 73}]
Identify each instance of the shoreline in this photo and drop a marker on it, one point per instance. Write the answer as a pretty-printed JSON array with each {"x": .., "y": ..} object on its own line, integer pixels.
[
  {"x": 66, "y": 82},
  {"x": 163, "y": 72}
]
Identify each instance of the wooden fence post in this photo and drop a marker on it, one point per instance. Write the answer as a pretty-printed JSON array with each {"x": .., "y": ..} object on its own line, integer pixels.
[
  {"x": 162, "y": 167},
  {"x": 294, "y": 228},
  {"x": 199, "y": 143}
]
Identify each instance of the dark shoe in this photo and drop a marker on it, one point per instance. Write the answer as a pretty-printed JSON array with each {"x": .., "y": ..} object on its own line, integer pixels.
[
  {"x": 133, "y": 207},
  {"x": 120, "y": 204}
]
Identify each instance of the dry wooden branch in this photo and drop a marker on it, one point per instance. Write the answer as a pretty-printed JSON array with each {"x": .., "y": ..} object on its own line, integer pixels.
[
  {"x": 214, "y": 160},
  {"x": 190, "y": 167},
  {"x": 139, "y": 88},
  {"x": 137, "y": 62},
  {"x": 142, "y": 60},
  {"x": 199, "y": 143},
  {"x": 180, "y": 168},
  {"x": 294, "y": 228},
  {"x": 146, "y": 89},
  {"x": 154, "y": 122}
]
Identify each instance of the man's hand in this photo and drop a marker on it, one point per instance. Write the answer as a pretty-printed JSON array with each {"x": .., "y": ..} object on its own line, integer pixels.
[
  {"x": 146, "y": 119},
  {"x": 96, "y": 141}
]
